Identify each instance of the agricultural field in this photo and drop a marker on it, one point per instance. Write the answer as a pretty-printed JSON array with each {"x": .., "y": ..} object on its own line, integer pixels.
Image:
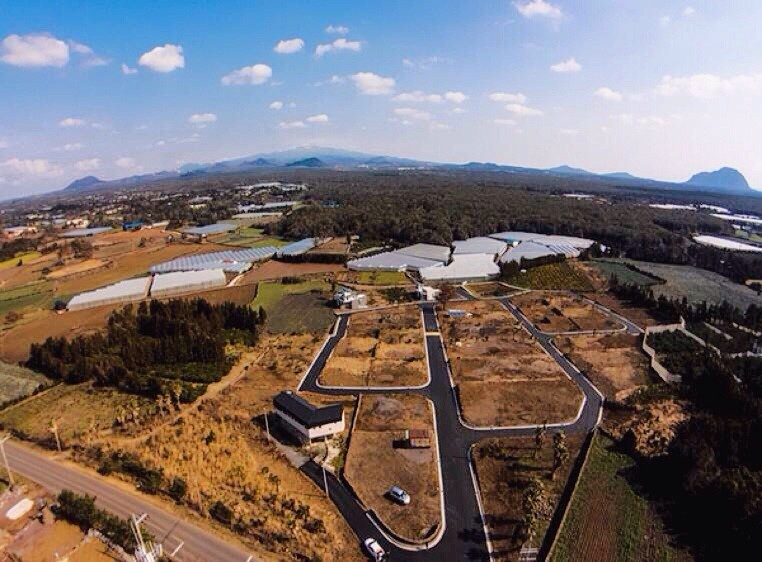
[
  {"x": 563, "y": 312},
  {"x": 37, "y": 295},
  {"x": 380, "y": 348},
  {"x": 609, "y": 519},
  {"x": 625, "y": 274},
  {"x": 613, "y": 362},
  {"x": 301, "y": 312},
  {"x": 382, "y": 278},
  {"x": 553, "y": 276},
  {"x": 245, "y": 237},
  {"x": 269, "y": 293},
  {"x": 697, "y": 284},
  {"x": 77, "y": 268},
  {"x": 269, "y": 241},
  {"x": 336, "y": 245},
  {"x": 490, "y": 290},
  {"x": 23, "y": 257},
  {"x": 378, "y": 459},
  {"x": 17, "y": 382},
  {"x": 638, "y": 315},
  {"x": 83, "y": 413},
  {"x": 504, "y": 469},
  {"x": 503, "y": 376},
  {"x": 273, "y": 269}
]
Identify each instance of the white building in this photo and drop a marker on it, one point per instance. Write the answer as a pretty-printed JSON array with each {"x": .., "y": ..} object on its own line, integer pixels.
[{"x": 308, "y": 422}]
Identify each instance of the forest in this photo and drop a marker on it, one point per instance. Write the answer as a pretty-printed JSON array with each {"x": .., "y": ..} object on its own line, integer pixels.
[{"x": 161, "y": 348}]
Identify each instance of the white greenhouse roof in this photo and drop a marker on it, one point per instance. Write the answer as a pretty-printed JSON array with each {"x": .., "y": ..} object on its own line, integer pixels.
[
  {"x": 82, "y": 232},
  {"x": 124, "y": 291},
  {"x": 297, "y": 248},
  {"x": 391, "y": 261},
  {"x": 217, "y": 228},
  {"x": 176, "y": 282},
  {"x": 726, "y": 244},
  {"x": 234, "y": 261},
  {"x": 527, "y": 251},
  {"x": 579, "y": 243},
  {"x": 427, "y": 252},
  {"x": 515, "y": 236},
  {"x": 479, "y": 245},
  {"x": 463, "y": 267}
]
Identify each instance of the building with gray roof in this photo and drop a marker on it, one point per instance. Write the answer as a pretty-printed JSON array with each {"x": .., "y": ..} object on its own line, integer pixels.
[
  {"x": 232, "y": 261},
  {"x": 479, "y": 245}
]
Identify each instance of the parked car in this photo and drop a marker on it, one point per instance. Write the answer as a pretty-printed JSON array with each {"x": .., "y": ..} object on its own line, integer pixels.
[
  {"x": 399, "y": 495},
  {"x": 374, "y": 549}
]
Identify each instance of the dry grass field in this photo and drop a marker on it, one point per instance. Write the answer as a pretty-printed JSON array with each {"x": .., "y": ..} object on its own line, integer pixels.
[
  {"x": 504, "y": 468},
  {"x": 381, "y": 348},
  {"x": 275, "y": 270},
  {"x": 77, "y": 268},
  {"x": 639, "y": 316},
  {"x": 561, "y": 312},
  {"x": 17, "y": 382},
  {"x": 377, "y": 460},
  {"x": 487, "y": 290},
  {"x": 614, "y": 362},
  {"x": 502, "y": 375}
]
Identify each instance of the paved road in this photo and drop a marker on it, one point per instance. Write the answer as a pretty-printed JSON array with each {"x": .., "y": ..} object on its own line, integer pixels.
[
  {"x": 463, "y": 537},
  {"x": 200, "y": 545}
]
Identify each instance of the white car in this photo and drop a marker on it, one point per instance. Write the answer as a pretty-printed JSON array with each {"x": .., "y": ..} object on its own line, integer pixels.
[
  {"x": 399, "y": 495},
  {"x": 374, "y": 549}
]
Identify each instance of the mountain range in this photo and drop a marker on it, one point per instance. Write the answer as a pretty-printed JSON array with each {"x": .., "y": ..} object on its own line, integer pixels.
[{"x": 725, "y": 180}]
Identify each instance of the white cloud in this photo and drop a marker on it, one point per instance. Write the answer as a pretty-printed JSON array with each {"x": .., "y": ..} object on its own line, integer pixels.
[
  {"x": 34, "y": 50},
  {"x": 412, "y": 113},
  {"x": 437, "y": 126},
  {"x": 630, "y": 119},
  {"x": 277, "y": 104},
  {"x": 72, "y": 146},
  {"x": 339, "y": 44},
  {"x": 335, "y": 79},
  {"x": 88, "y": 164},
  {"x": 128, "y": 70},
  {"x": 569, "y": 132},
  {"x": 424, "y": 63},
  {"x": 288, "y": 46},
  {"x": 320, "y": 118},
  {"x": 538, "y": 8},
  {"x": 72, "y": 122},
  {"x": 89, "y": 58},
  {"x": 248, "y": 75},
  {"x": 19, "y": 168},
  {"x": 202, "y": 119},
  {"x": 455, "y": 97},
  {"x": 372, "y": 84},
  {"x": 292, "y": 125},
  {"x": 520, "y": 109},
  {"x": 706, "y": 86},
  {"x": 458, "y": 110},
  {"x": 125, "y": 162},
  {"x": 510, "y": 122},
  {"x": 569, "y": 65},
  {"x": 689, "y": 11},
  {"x": 417, "y": 96},
  {"x": 664, "y": 21},
  {"x": 608, "y": 94},
  {"x": 164, "y": 58},
  {"x": 505, "y": 97},
  {"x": 337, "y": 29}
]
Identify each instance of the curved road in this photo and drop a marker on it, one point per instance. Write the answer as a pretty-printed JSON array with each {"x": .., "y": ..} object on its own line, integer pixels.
[{"x": 464, "y": 536}]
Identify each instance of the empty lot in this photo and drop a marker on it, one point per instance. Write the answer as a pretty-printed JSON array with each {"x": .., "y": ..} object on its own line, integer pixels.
[
  {"x": 563, "y": 312},
  {"x": 503, "y": 376}
]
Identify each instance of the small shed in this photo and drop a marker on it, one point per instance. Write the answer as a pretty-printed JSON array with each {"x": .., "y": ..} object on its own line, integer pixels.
[{"x": 417, "y": 438}]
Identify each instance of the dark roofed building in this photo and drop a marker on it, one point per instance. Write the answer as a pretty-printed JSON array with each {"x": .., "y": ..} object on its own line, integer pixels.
[{"x": 307, "y": 421}]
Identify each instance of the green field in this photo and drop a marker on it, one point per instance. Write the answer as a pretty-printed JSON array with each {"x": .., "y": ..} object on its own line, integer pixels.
[
  {"x": 17, "y": 382},
  {"x": 382, "y": 278},
  {"x": 552, "y": 276},
  {"x": 623, "y": 273},
  {"x": 301, "y": 312},
  {"x": 23, "y": 257},
  {"x": 270, "y": 292},
  {"x": 271, "y": 241},
  {"x": 34, "y": 295},
  {"x": 608, "y": 519}
]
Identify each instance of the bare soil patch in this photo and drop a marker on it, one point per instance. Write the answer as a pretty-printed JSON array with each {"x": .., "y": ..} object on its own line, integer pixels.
[
  {"x": 614, "y": 362},
  {"x": 376, "y": 461},
  {"x": 639, "y": 316},
  {"x": 275, "y": 270},
  {"x": 562, "y": 312}
]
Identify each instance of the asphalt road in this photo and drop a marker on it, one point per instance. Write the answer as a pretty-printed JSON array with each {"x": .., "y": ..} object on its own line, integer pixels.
[{"x": 169, "y": 529}]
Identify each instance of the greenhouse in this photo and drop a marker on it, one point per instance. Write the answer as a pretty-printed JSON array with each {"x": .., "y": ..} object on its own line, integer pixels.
[
  {"x": 123, "y": 292},
  {"x": 233, "y": 261},
  {"x": 182, "y": 282}
]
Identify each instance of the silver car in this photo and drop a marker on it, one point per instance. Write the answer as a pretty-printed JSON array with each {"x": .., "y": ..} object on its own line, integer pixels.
[
  {"x": 399, "y": 495},
  {"x": 374, "y": 549}
]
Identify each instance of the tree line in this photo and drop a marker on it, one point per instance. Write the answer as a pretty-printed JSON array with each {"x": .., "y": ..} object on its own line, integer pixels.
[{"x": 161, "y": 348}]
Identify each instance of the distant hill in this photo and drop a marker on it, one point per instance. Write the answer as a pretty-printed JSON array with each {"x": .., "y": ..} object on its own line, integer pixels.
[
  {"x": 724, "y": 180},
  {"x": 621, "y": 176},
  {"x": 82, "y": 184},
  {"x": 569, "y": 171},
  {"x": 307, "y": 163}
]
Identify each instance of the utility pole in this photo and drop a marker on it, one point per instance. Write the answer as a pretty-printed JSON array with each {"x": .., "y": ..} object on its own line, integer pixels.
[
  {"x": 325, "y": 478},
  {"x": 267, "y": 427},
  {"x": 54, "y": 429},
  {"x": 5, "y": 459}
]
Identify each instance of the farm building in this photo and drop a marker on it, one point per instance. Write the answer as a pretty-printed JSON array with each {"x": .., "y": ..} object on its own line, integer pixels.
[
  {"x": 417, "y": 438},
  {"x": 232, "y": 261},
  {"x": 515, "y": 237},
  {"x": 411, "y": 258},
  {"x": 202, "y": 232},
  {"x": 123, "y": 292},
  {"x": 267, "y": 206},
  {"x": 182, "y": 282},
  {"x": 307, "y": 421},
  {"x": 465, "y": 267},
  {"x": 427, "y": 252},
  {"x": 527, "y": 251},
  {"x": 297, "y": 248},
  {"x": 479, "y": 245},
  {"x": 84, "y": 232}
]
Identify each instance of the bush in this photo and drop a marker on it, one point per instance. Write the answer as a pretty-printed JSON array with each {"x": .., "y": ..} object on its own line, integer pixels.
[{"x": 221, "y": 513}]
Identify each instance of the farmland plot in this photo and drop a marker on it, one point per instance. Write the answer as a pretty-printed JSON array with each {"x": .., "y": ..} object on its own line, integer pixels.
[
  {"x": 562, "y": 312},
  {"x": 17, "y": 382}
]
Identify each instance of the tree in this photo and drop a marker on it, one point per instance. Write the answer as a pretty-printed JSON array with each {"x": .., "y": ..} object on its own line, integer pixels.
[
  {"x": 446, "y": 293},
  {"x": 178, "y": 488},
  {"x": 539, "y": 438},
  {"x": 560, "y": 452}
]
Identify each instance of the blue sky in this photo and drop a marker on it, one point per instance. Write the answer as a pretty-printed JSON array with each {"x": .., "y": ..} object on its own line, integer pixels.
[{"x": 658, "y": 88}]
